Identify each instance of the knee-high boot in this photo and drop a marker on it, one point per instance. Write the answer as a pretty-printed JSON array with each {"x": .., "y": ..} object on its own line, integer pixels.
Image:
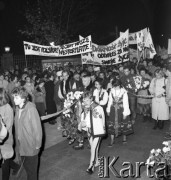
[
  {"x": 161, "y": 124},
  {"x": 155, "y": 124}
]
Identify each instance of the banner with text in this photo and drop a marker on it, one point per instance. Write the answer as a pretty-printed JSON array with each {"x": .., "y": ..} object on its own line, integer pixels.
[
  {"x": 79, "y": 47},
  {"x": 133, "y": 36},
  {"x": 150, "y": 47},
  {"x": 113, "y": 53}
]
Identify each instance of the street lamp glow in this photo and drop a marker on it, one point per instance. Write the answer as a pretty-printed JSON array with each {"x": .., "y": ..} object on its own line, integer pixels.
[{"x": 7, "y": 49}]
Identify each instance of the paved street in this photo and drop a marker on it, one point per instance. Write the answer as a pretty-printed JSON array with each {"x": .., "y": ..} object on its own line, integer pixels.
[{"x": 62, "y": 162}]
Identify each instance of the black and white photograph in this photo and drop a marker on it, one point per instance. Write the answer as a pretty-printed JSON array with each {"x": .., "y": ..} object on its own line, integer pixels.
[{"x": 85, "y": 89}]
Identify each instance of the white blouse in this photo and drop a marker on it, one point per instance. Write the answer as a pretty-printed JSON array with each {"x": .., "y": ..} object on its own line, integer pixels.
[
  {"x": 119, "y": 93},
  {"x": 98, "y": 93}
]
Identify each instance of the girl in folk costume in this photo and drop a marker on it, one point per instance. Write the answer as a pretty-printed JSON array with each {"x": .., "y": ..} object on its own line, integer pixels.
[
  {"x": 118, "y": 112},
  {"x": 100, "y": 94},
  {"x": 160, "y": 109},
  {"x": 92, "y": 121}
]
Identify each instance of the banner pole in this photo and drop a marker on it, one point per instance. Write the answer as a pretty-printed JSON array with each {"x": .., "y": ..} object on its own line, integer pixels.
[
  {"x": 25, "y": 60},
  {"x": 138, "y": 59},
  {"x": 25, "y": 57}
]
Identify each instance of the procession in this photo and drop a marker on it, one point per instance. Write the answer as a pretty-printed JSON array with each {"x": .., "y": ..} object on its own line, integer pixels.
[{"x": 105, "y": 101}]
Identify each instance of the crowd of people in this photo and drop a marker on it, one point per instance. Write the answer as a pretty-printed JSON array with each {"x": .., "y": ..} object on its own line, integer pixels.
[{"x": 110, "y": 107}]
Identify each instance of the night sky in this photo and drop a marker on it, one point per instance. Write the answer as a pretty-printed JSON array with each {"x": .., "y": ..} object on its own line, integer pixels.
[{"x": 132, "y": 14}]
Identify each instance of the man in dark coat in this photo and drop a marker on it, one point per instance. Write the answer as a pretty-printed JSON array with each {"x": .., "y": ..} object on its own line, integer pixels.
[
  {"x": 63, "y": 88},
  {"x": 76, "y": 82},
  {"x": 50, "y": 103}
]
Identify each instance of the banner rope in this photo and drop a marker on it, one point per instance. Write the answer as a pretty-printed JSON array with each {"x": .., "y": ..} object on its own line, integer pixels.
[
  {"x": 43, "y": 118},
  {"x": 59, "y": 112},
  {"x": 141, "y": 96}
]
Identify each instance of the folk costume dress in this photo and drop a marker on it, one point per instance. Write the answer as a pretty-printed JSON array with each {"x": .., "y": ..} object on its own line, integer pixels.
[
  {"x": 93, "y": 119},
  {"x": 101, "y": 97},
  {"x": 118, "y": 106}
]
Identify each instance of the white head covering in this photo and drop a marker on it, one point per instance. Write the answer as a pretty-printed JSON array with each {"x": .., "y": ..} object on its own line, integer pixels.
[
  {"x": 96, "y": 68},
  {"x": 59, "y": 73}
]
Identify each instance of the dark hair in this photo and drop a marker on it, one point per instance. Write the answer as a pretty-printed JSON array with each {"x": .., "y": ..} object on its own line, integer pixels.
[
  {"x": 13, "y": 77},
  {"x": 88, "y": 94},
  {"x": 93, "y": 74},
  {"x": 41, "y": 81},
  {"x": 86, "y": 75},
  {"x": 4, "y": 99},
  {"x": 20, "y": 91},
  {"x": 49, "y": 75},
  {"x": 157, "y": 71},
  {"x": 84, "y": 72},
  {"x": 143, "y": 69},
  {"x": 75, "y": 73},
  {"x": 116, "y": 82},
  {"x": 100, "y": 81},
  {"x": 127, "y": 67},
  {"x": 37, "y": 86},
  {"x": 114, "y": 74}
]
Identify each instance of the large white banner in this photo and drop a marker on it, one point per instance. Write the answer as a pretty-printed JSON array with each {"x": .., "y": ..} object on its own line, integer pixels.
[
  {"x": 133, "y": 36},
  {"x": 79, "y": 47},
  {"x": 149, "y": 44},
  {"x": 113, "y": 53},
  {"x": 140, "y": 41}
]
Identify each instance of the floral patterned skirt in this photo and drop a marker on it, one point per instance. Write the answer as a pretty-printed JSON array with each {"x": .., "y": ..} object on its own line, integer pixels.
[{"x": 117, "y": 125}]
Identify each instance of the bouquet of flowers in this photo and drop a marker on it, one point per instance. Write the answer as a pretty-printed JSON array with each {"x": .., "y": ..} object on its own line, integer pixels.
[
  {"x": 160, "y": 156},
  {"x": 137, "y": 83},
  {"x": 70, "y": 100},
  {"x": 141, "y": 83}
]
